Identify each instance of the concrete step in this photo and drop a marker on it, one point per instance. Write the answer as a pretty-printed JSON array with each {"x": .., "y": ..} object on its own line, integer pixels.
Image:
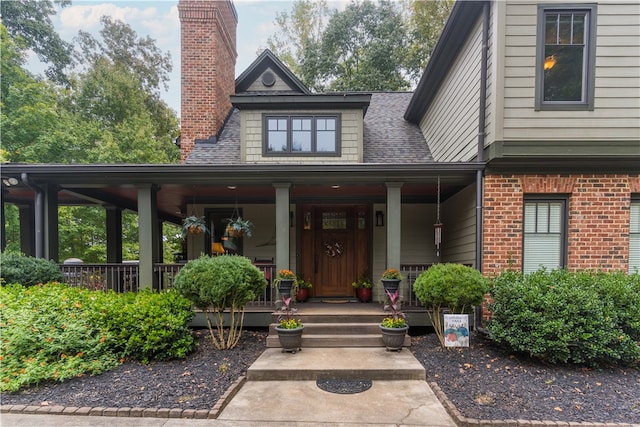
[
  {"x": 336, "y": 328},
  {"x": 332, "y": 340},
  {"x": 372, "y": 363},
  {"x": 369, "y": 317}
]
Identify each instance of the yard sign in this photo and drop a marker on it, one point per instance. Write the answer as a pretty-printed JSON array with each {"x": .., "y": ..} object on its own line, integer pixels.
[{"x": 456, "y": 330}]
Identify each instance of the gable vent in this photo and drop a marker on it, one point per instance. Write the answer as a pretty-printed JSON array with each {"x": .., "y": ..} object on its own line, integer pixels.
[{"x": 268, "y": 79}]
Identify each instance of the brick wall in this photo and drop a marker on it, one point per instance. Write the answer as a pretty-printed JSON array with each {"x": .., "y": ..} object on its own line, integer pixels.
[
  {"x": 598, "y": 234},
  {"x": 208, "y": 51}
]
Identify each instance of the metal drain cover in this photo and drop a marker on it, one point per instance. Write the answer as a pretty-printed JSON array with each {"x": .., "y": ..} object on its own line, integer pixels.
[{"x": 344, "y": 386}]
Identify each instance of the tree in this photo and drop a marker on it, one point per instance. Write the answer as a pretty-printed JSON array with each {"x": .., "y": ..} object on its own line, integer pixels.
[
  {"x": 298, "y": 41},
  {"x": 121, "y": 46},
  {"x": 366, "y": 46},
  {"x": 425, "y": 21},
  {"x": 112, "y": 112},
  {"x": 363, "y": 48},
  {"x": 124, "y": 67},
  {"x": 29, "y": 24}
]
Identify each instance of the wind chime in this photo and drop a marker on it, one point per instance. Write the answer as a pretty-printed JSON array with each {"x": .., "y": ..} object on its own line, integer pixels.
[{"x": 437, "y": 227}]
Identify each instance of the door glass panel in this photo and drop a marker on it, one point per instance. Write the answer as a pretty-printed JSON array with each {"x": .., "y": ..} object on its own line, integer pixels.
[{"x": 334, "y": 220}]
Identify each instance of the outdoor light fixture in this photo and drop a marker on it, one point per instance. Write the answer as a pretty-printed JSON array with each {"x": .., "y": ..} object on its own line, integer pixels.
[{"x": 379, "y": 219}]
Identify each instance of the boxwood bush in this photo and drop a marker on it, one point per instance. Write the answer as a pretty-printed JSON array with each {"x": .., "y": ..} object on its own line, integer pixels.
[
  {"x": 221, "y": 286},
  {"x": 56, "y": 332},
  {"x": 559, "y": 316},
  {"x": 456, "y": 287},
  {"x": 28, "y": 271}
]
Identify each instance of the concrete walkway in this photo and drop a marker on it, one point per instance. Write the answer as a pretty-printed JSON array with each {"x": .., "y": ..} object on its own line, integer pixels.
[{"x": 267, "y": 400}]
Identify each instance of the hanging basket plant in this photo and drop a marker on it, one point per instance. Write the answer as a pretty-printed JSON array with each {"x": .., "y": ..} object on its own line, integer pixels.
[
  {"x": 238, "y": 227},
  {"x": 193, "y": 225}
]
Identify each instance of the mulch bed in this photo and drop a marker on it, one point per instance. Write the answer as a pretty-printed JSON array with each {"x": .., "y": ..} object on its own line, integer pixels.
[
  {"x": 485, "y": 382},
  {"x": 482, "y": 381}
]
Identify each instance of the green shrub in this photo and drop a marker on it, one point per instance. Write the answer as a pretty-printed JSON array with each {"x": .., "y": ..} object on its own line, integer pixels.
[
  {"x": 564, "y": 317},
  {"x": 28, "y": 271},
  {"x": 48, "y": 333},
  {"x": 216, "y": 284},
  {"x": 152, "y": 326},
  {"x": 453, "y": 286},
  {"x": 56, "y": 332}
]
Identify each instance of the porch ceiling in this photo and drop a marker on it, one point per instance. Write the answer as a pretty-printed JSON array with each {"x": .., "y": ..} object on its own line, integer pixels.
[{"x": 179, "y": 185}]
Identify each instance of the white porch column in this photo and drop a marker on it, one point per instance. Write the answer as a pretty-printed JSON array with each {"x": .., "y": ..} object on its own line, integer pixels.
[
  {"x": 394, "y": 210},
  {"x": 147, "y": 235},
  {"x": 282, "y": 225}
]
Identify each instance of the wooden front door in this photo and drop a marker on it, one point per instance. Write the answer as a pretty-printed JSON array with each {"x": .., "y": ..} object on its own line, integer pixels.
[{"x": 338, "y": 252}]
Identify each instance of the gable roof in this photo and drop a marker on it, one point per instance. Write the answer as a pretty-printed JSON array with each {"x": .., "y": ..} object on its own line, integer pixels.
[
  {"x": 388, "y": 138},
  {"x": 268, "y": 61}
]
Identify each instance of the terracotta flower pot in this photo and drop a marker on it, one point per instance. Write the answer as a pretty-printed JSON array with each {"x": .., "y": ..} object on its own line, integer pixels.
[
  {"x": 364, "y": 294},
  {"x": 302, "y": 294}
]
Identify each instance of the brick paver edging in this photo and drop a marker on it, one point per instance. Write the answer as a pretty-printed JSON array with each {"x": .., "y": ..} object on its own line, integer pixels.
[
  {"x": 463, "y": 421},
  {"x": 458, "y": 418},
  {"x": 132, "y": 412}
]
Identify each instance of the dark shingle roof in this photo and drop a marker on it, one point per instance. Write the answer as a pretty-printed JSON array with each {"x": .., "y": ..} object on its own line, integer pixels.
[
  {"x": 388, "y": 137},
  {"x": 226, "y": 150}
]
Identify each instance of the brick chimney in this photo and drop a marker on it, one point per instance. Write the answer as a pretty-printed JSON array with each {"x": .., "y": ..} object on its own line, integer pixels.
[{"x": 208, "y": 31}]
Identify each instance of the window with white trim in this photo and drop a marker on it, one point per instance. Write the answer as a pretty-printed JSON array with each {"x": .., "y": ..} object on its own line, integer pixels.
[
  {"x": 565, "y": 64},
  {"x": 544, "y": 235},
  {"x": 301, "y": 134},
  {"x": 634, "y": 237}
]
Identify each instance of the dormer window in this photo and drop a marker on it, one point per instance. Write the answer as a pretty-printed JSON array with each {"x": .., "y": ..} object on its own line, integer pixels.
[{"x": 317, "y": 135}]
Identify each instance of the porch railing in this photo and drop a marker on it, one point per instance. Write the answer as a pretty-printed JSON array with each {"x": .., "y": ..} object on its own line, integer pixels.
[
  {"x": 118, "y": 277},
  {"x": 124, "y": 277},
  {"x": 411, "y": 273}
]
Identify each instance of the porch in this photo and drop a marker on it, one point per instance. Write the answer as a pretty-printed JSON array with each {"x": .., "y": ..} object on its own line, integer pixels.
[{"x": 124, "y": 277}]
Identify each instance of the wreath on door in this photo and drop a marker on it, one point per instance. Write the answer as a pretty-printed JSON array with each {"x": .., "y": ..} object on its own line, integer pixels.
[{"x": 334, "y": 249}]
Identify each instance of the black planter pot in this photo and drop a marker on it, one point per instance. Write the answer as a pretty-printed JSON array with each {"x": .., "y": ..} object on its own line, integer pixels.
[
  {"x": 393, "y": 338},
  {"x": 391, "y": 285},
  {"x": 285, "y": 286},
  {"x": 290, "y": 339}
]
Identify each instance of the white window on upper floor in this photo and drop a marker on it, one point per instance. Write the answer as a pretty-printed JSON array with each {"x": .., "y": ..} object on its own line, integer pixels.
[
  {"x": 565, "y": 63},
  {"x": 634, "y": 237},
  {"x": 317, "y": 135},
  {"x": 544, "y": 235}
]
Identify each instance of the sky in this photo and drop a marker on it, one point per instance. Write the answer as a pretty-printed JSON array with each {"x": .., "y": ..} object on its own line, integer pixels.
[{"x": 159, "y": 20}]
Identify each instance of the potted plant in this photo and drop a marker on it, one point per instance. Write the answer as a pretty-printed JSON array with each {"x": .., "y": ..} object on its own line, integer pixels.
[
  {"x": 284, "y": 281},
  {"x": 364, "y": 289},
  {"x": 394, "y": 327},
  {"x": 238, "y": 227},
  {"x": 289, "y": 327},
  {"x": 391, "y": 280},
  {"x": 193, "y": 225},
  {"x": 302, "y": 287}
]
